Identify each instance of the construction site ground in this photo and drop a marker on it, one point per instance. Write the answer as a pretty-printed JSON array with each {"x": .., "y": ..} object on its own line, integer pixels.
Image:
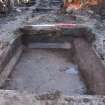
[{"x": 9, "y": 26}]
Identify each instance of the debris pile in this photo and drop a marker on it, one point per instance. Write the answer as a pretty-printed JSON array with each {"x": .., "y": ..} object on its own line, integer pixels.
[
  {"x": 7, "y": 5},
  {"x": 81, "y": 4}
]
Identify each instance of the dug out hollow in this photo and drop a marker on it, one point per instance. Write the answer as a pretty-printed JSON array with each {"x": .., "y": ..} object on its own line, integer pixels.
[{"x": 46, "y": 59}]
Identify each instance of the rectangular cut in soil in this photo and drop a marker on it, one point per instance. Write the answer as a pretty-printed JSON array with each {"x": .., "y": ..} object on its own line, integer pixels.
[{"x": 43, "y": 70}]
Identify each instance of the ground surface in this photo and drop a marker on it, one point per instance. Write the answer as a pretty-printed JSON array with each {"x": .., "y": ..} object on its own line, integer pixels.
[
  {"x": 16, "y": 98},
  {"x": 41, "y": 70}
]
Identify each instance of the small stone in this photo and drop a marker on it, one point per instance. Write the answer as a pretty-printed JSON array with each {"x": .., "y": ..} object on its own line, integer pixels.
[
  {"x": 18, "y": 10},
  {"x": 86, "y": 100},
  {"x": 90, "y": 11}
]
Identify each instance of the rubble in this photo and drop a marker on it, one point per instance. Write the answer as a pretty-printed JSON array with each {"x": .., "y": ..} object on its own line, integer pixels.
[
  {"x": 16, "y": 98},
  {"x": 3, "y": 45},
  {"x": 5, "y": 6}
]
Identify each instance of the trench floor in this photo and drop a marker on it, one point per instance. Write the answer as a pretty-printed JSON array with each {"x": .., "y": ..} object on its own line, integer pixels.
[{"x": 44, "y": 70}]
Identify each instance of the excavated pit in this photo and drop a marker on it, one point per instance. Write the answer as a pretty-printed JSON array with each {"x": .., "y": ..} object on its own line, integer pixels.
[
  {"x": 42, "y": 68},
  {"x": 47, "y": 64},
  {"x": 53, "y": 60},
  {"x": 63, "y": 60}
]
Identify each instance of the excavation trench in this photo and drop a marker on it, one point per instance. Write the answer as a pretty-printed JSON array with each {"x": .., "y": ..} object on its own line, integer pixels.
[
  {"x": 46, "y": 64},
  {"x": 53, "y": 60}
]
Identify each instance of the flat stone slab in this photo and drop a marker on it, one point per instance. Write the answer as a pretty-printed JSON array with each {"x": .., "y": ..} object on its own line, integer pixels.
[{"x": 11, "y": 97}]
